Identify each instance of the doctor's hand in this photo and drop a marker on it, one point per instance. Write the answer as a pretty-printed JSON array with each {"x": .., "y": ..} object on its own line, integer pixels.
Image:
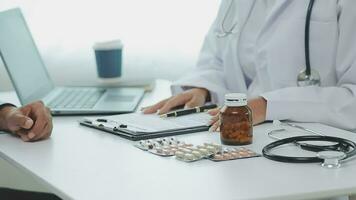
[
  {"x": 31, "y": 122},
  {"x": 189, "y": 98},
  {"x": 258, "y": 107}
]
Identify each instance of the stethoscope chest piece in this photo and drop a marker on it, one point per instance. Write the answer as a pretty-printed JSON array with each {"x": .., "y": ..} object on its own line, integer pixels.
[
  {"x": 313, "y": 79},
  {"x": 331, "y": 158}
]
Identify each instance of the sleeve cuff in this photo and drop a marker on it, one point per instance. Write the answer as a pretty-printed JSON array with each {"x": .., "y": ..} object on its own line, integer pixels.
[
  {"x": 6, "y": 105},
  {"x": 292, "y": 104},
  {"x": 273, "y": 105}
]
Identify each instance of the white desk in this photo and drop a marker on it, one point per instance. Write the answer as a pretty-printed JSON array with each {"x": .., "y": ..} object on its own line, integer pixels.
[{"x": 86, "y": 164}]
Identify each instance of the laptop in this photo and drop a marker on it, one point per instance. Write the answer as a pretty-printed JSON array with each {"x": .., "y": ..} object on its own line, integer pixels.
[{"x": 32, "y": 82}]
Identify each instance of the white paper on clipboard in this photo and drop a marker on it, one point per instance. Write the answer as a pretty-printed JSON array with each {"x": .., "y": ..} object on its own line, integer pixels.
[{"x": 138, "y": 122}]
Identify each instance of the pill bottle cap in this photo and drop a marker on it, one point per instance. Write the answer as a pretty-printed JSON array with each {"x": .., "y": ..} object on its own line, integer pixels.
[{"x": 235, "y": 99}]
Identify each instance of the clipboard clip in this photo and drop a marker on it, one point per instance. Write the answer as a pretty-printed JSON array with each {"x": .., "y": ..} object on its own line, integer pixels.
[{"x": 103, "y": 123}]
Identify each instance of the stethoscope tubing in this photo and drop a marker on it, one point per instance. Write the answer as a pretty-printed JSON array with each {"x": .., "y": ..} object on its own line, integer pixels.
[
  {"x": 345, "y": 144},
  {"x": 305, "y": 77},
  {"x": 306, "y": 38}
]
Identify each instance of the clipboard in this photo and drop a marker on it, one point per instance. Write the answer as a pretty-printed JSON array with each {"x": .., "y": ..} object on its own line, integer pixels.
[{"x": 137, "y": 126}]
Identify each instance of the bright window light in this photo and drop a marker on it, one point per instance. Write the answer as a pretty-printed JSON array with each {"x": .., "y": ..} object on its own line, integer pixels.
[{"x": 162, "y": 38}]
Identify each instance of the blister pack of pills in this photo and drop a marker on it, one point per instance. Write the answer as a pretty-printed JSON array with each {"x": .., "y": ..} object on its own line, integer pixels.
[
  {"x": 197, "y": 153},
  {"x": 190, "y": 153},
  {"x": 233, "y": 154},
  {"x": 162, "y": 146}
]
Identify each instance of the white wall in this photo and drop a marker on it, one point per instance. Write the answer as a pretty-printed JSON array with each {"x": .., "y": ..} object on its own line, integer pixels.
[{"x": 162, "y": 38}]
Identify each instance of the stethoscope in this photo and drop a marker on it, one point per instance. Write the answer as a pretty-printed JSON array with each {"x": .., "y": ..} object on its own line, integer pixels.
[
  {"x": 308, "y": 76},
  {"x": 223, "y": 31},
  {"x": 330, "y": 155}
]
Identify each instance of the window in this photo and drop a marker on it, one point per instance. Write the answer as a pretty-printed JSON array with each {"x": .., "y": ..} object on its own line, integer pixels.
[{"x": 162, "y": 38}]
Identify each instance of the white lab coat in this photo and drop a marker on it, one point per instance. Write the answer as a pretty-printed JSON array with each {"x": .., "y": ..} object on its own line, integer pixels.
[{"x": 281, "y": 56}]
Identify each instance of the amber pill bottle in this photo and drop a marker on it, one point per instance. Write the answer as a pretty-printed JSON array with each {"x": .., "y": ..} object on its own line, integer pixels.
[{"x": 236, "y": 126}]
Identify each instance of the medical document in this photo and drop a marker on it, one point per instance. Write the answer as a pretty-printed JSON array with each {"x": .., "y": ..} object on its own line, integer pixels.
[{"x": 138, "y": 125}]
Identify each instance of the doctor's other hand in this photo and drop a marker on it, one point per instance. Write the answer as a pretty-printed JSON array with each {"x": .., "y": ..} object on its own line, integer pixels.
[
  {"x": 258, "y": 107},
  {"x": 31, "y": 122},
  {"x": 189, "y": 98}
]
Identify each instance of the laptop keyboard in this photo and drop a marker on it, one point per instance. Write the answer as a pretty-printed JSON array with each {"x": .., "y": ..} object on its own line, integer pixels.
[{"x": 77, "y": 98}]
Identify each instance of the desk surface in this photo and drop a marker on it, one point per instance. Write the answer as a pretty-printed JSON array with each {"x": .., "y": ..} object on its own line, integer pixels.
[{"x": 83, "y": 163}]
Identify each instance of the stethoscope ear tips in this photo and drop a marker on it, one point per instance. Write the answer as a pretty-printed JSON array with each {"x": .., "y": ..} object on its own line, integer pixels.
[
  {"x": 313, "y": 79},
  {"x": 331, "y": 158}
]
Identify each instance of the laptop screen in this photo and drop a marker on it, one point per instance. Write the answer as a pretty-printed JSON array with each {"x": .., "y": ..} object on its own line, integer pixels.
[{"x": 22, "y": 59}]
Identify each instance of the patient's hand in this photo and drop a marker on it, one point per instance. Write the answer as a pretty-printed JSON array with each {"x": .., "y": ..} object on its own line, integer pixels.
[{"x": 31, "y": 122}]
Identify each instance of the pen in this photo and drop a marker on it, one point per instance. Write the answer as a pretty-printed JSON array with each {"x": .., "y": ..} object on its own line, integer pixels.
[{"x": 189, "y": 111}]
